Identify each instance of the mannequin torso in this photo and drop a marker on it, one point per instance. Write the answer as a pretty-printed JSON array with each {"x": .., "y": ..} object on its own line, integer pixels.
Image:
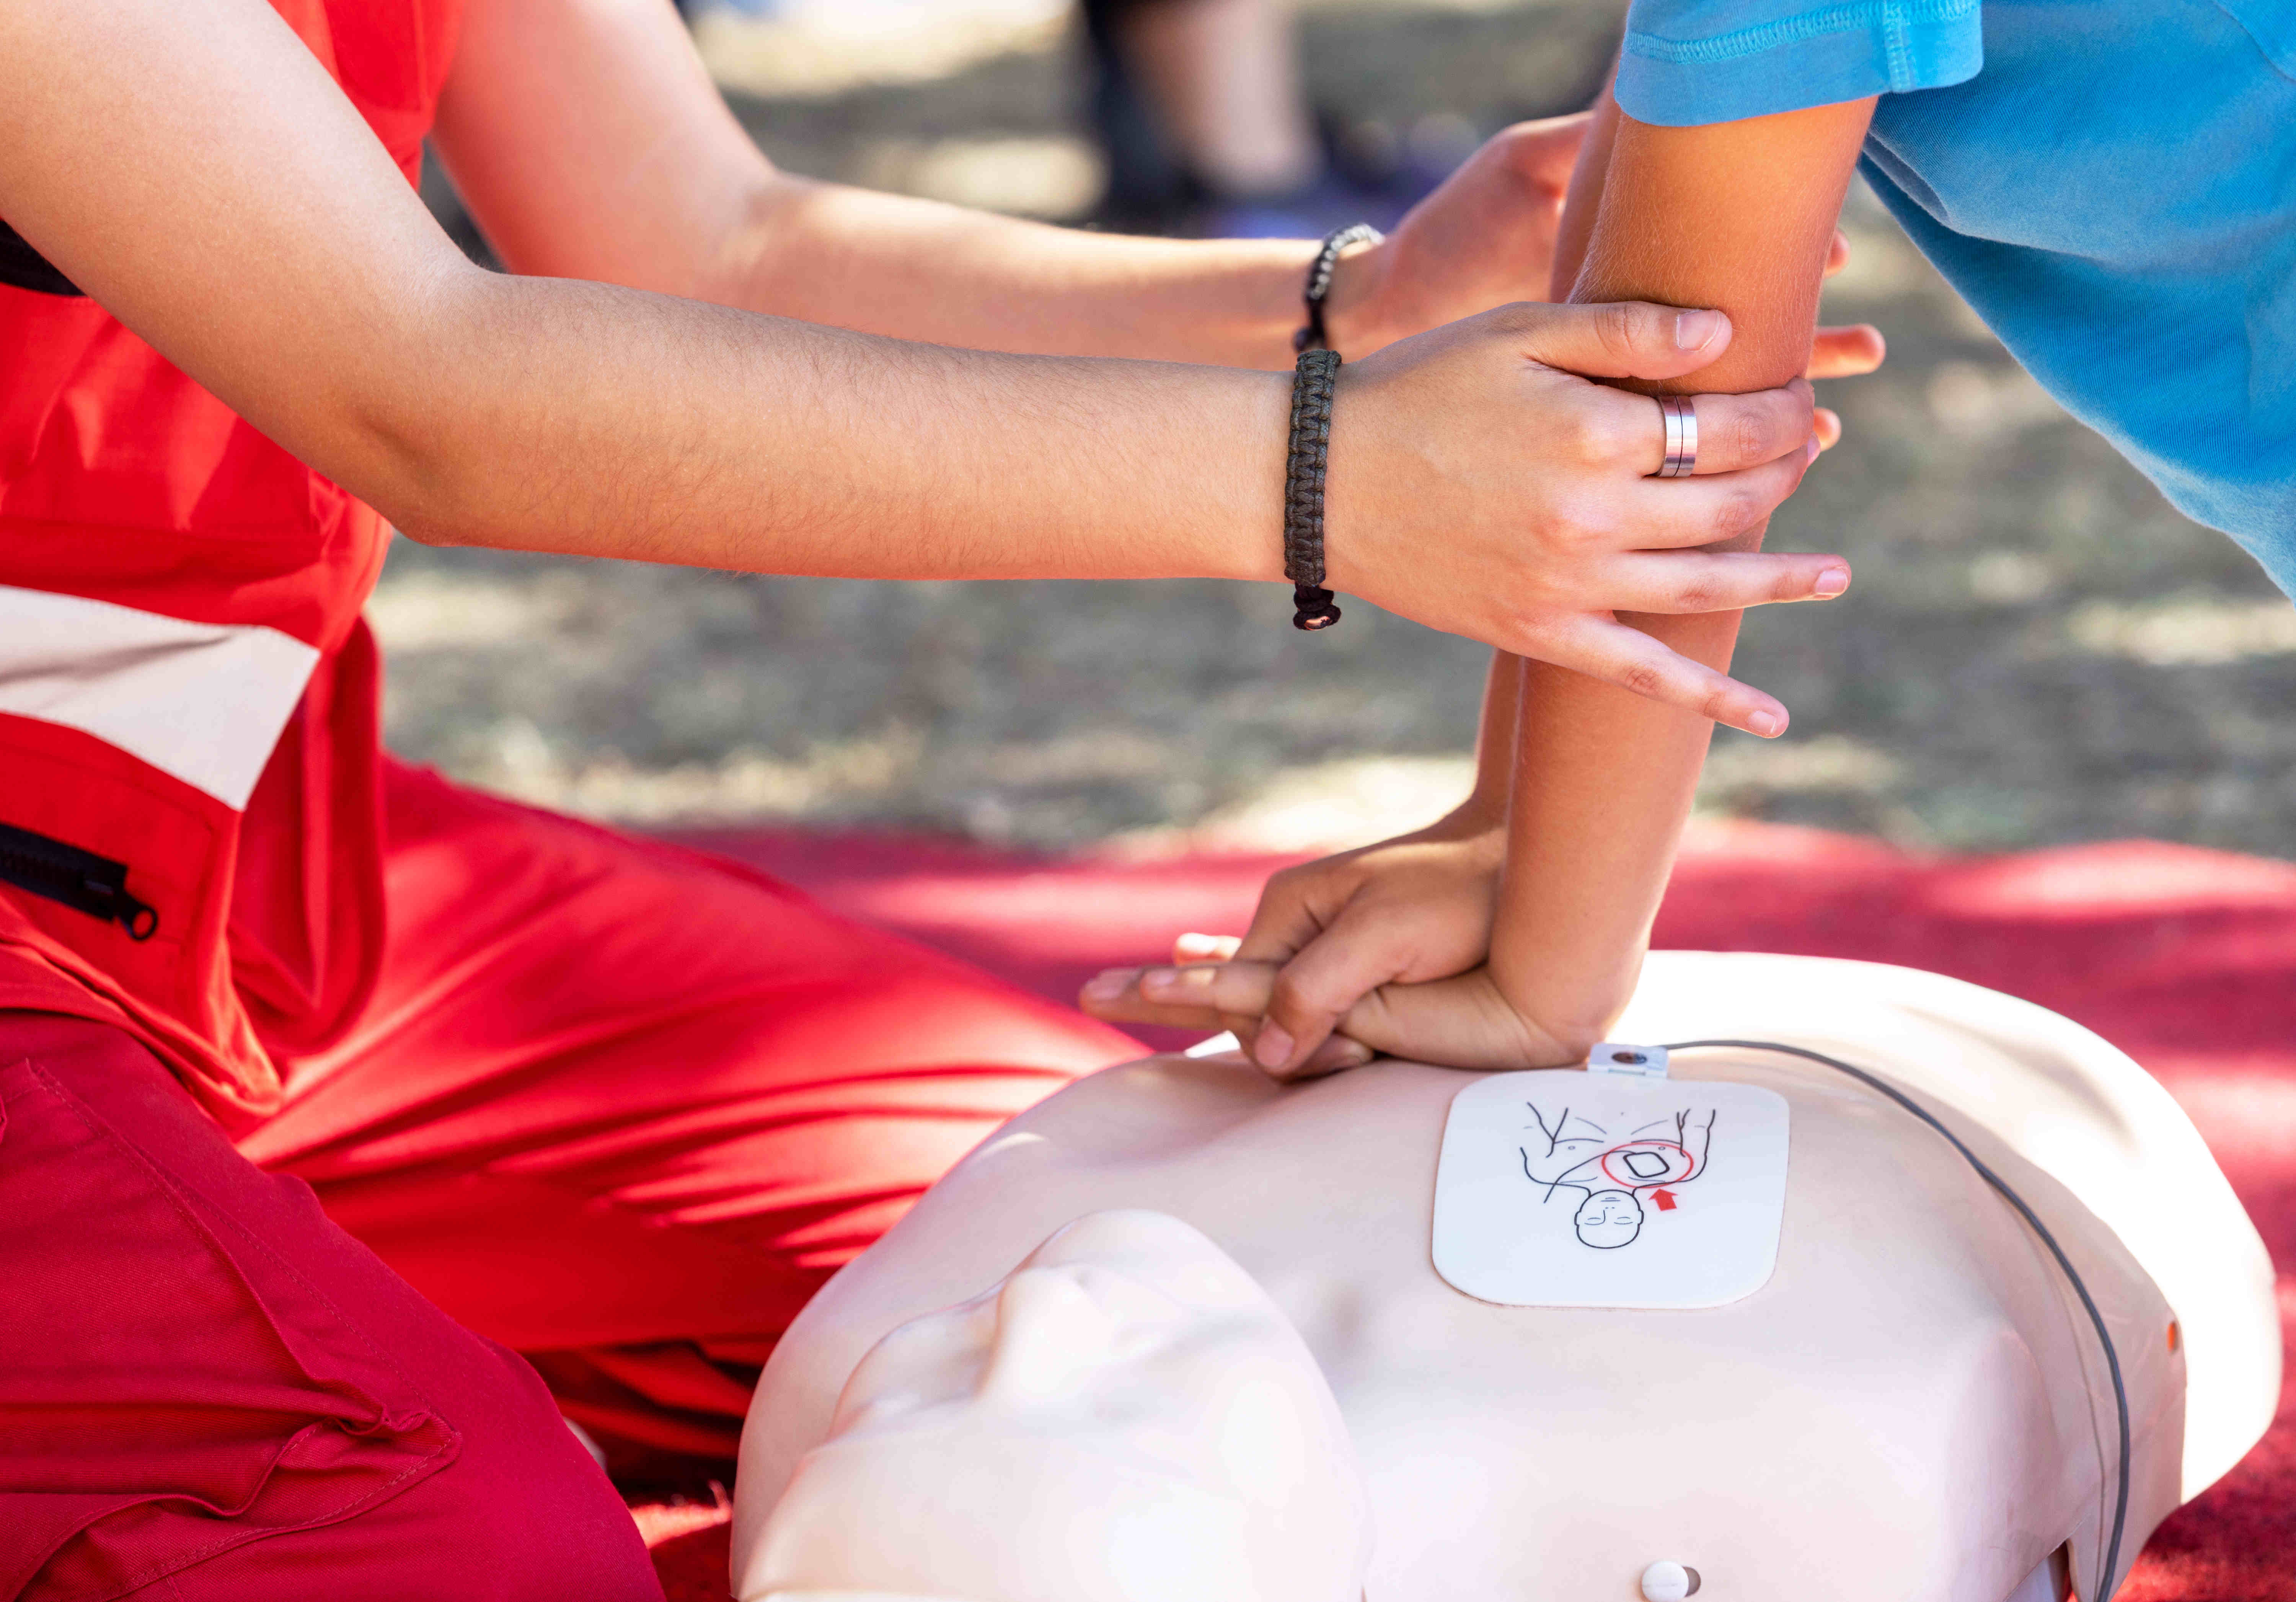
[{"x": 1912, "y": 1406}]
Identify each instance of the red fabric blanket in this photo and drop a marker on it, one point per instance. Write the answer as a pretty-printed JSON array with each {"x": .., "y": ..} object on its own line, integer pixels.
[{"x": 2184, "y": 958}]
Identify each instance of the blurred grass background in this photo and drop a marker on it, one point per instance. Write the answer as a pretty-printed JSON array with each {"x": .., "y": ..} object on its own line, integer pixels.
[{"x": 2037, "y": 650}]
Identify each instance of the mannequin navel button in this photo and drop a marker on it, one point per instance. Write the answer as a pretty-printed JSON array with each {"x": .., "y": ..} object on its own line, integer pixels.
[{"x": 1668, "y": 1581}]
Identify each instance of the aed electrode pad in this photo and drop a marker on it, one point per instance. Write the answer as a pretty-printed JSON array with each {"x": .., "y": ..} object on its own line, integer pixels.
[{"x": 1559, "y": 1188}]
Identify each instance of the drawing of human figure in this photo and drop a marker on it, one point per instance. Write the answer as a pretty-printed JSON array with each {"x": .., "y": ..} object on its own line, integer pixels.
[{"x": 1612, "y": 1170}]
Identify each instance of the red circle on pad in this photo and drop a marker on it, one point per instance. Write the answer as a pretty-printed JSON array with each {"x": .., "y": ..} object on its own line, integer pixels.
[{"x": 1668, "y": 1178}]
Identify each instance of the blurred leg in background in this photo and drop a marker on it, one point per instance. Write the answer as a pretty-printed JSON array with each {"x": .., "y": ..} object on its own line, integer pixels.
[
  {"x": 1202, "y": 110},
  {"x": 1199, "y": 107}
]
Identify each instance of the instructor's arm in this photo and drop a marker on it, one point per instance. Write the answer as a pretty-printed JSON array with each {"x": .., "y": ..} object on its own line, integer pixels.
[
  {"x": 191, "y": 165},
  {"x": 590, "y": 143}
]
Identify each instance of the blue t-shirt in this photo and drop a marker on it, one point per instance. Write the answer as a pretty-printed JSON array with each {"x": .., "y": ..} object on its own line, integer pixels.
[{"x": 2111, "y": 183}]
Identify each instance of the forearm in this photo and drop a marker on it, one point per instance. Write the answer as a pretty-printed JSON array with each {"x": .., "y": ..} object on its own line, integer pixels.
[
  {"x": 919, "y": 270},
  {"x": 1498, "y": 737},
  {"x": 1603, "y": 783},
  {"x": 565, "y": 416},
  {"x": 1495, "y": 739},
  {"x": 589, "y": 143},
  {"x": 1738, "y": 218}
]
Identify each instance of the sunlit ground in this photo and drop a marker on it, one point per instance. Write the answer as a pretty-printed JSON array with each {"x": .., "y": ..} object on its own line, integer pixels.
[{"x": 2038, "y": 649}]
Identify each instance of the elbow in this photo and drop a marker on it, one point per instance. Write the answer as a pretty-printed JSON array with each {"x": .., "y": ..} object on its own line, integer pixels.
[
  {"x": 439, "y": 534},
  {"x": 415, "y": 433},
  {"x": 749, "y": 256},
  {"x": 397, "y": 392},
  {"x": 403, "y": 451},
  {"x": 422, "y": 532},
  {"x": 407, "y": 484}
]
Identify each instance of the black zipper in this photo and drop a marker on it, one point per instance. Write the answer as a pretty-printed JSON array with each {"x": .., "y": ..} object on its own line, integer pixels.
[{"x": 80, "y": 879}]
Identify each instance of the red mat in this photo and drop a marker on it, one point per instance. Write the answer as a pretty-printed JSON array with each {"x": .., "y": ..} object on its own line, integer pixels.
[{"x": 2184, "y": 958}]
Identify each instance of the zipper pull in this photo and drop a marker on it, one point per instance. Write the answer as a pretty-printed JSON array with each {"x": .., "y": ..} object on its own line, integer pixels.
[
  {"x": 80, "y": 879},
  {"x": 114, "y": 903}
]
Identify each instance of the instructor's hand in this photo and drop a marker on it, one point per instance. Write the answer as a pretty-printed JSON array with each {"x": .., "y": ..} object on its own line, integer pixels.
[
  {"x": 1485, "y": 238},
  {"x": 1479, "y": 485}
]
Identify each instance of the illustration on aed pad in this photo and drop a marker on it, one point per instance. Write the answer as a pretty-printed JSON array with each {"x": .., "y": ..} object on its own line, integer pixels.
[{"x": 1612, "y": 1174}]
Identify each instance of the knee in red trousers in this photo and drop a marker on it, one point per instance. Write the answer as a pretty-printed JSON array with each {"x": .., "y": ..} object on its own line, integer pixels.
[{"x": 209, "y": 1391}]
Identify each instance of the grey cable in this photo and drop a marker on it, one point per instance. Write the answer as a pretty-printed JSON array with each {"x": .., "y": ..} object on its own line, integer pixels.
[{"x": 2103, "y": 1592}]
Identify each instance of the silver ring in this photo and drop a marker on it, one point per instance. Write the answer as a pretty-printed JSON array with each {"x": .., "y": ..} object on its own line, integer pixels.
[{"x": 1681, "y": 415}]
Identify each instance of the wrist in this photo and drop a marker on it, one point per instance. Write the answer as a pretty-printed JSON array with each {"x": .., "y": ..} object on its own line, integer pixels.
[
  {"x": 1354, "y": 306},
  {"x": 1480, "y": 823},
  {"x": 1245, "y": 542},
  {"x": 1476, "y": 826},
  {"x": 1268, "y": 286}
]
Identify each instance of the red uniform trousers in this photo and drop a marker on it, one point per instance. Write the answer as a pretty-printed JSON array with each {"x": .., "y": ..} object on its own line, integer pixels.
[{"x": 615, "y": 1105}]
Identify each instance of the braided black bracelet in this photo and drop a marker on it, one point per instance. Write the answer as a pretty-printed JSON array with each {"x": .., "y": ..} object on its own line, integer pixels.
[
  {"x": 1313, "y": 379},
  {"x": 1312, "y": 335}
]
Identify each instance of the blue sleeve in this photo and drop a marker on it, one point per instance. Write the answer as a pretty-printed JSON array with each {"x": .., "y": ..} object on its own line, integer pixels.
[{"x": 1688, "y": 62}]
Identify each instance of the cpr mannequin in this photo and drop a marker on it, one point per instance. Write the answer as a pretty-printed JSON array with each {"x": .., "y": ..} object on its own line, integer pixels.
[{"x": 1912, "y": 1405}]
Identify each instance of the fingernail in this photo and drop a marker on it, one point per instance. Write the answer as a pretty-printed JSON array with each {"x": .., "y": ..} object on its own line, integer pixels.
[
  {"x": 1831, "y": 583},
  {"x": 1180, "y": 981},
  {"x": 1767, "y": 725},
  {"x": 1695, "y": 331},
  {"x": 1273, "y": 1048},
  {"x": 1108, "y": 985},
  {"x": 1810, "y": 451}
]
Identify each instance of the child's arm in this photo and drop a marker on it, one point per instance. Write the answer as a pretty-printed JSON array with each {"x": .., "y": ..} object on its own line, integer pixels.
[{"x": 1738, "y": 216}]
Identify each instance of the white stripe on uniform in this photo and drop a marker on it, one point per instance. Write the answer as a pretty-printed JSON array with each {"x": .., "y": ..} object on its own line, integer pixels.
[{"x": 202, "y": 701}]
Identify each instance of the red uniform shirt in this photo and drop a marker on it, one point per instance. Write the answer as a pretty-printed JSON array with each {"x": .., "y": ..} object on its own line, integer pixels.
[{"x": 186, "y": 689}]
